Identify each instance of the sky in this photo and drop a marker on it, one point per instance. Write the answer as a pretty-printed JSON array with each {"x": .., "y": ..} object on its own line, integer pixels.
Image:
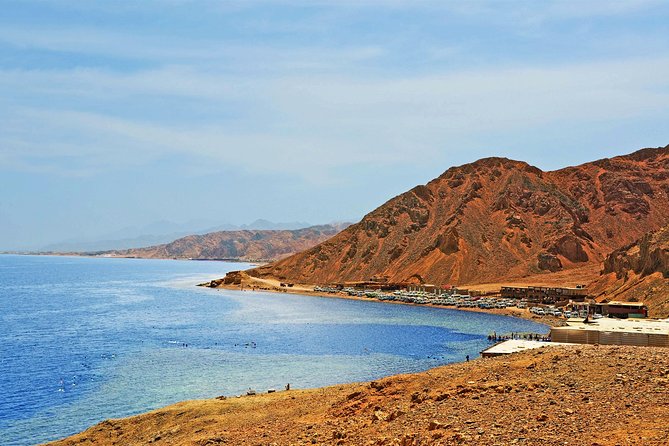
[{"x": 120, "y": 114}]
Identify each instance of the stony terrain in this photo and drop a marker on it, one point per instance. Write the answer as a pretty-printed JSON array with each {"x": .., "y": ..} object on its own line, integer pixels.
[
  {"x": 586, "y": 395},
  {"x": 639, "y": 272},
  {"x": 495, "y": 220},
  {"x": 246, "y": 245}
]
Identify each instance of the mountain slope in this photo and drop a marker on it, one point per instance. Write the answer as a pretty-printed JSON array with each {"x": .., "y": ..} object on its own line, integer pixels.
[
  {"x": 158, "y": 232},
  {"x": 240, "y": 245},
  {"x": 495, "y": 219},
  {"x": 638, "y": 272}
]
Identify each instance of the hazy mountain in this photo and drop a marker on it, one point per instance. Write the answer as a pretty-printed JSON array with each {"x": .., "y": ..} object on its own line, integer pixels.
[
  {"x": 244, "y": 244},
  {"x": 159, "y": 232}
]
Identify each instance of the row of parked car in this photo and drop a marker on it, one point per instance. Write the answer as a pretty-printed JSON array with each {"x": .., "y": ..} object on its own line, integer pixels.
[
  {"x": 552, "y": 311},
  {"x": 326, "y": 289},
  {"x": 456, "y": 300},
  {"x": 548, "y": 311},
  {"x": 422, "y": 297}
]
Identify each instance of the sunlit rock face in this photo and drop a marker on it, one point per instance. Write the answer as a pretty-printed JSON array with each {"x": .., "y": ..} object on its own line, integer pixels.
[{"x": 495, "y": 219}]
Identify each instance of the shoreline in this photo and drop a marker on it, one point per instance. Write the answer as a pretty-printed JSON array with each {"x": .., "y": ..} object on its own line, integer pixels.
[
  {"x": 254, "y": 262},
  {"x": 235, "y": 401},
  {"x": 525, "y": 314},
  {"x": 459, "y": 403}
]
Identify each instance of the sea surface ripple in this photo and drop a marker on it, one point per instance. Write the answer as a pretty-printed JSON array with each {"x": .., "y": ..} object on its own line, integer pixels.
[{"x": 86, "y": 339}]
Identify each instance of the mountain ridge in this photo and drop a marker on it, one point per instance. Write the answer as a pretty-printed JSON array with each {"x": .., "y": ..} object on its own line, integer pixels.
[
  {"x": 160, "y": 232},
  {"x": 244, "y": 245},
  {"x": 492, "y": 219}
]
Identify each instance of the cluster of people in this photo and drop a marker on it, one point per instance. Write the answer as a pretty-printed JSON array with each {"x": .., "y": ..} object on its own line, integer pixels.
[{"x": 494, "y": 337}]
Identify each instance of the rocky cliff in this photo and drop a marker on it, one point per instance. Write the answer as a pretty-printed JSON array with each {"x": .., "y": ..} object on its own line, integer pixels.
[
  {"x": 646, "y": 256},
  {"x": 638, "y": 272},
  {"x": 249, "y": 245},
  {"x": 495, "y": 219}
]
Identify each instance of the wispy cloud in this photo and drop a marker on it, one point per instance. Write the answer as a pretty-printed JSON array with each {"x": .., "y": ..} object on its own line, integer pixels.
[
  {"x": 365, "y": 97},
  {"x": 319, "y": 123}
]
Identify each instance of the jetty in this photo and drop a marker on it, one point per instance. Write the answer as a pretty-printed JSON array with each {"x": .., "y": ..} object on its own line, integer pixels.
[{"x": 515, "y": 346}]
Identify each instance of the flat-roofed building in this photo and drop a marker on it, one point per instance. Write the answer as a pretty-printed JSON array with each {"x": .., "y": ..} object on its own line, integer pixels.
[
  {"x": 610, "y": 331},
  {"x": 544, "y": 294},
  {"x": 622, "y": 310}
]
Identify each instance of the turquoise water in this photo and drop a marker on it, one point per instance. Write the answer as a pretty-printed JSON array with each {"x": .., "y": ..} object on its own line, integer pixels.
[{"x": 84, "y": 339}]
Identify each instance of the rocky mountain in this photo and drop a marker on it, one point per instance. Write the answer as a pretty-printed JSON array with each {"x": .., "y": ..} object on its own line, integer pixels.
[
  {"x": 158, "y": 232},
  {"x": 248, "y": 245},
  {"x": 638, "y": 272},
  {"x": 495, "y": 219}
]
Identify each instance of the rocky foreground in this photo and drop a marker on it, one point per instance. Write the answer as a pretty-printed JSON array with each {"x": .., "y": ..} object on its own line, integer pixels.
[{"x": 586, "y": 395}]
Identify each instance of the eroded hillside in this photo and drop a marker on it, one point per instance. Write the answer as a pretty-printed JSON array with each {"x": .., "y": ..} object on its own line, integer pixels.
[
  {"x": 638, "y": 272},
  {"x": 249, "y": 245},
  {"x": 493, "y": 220}
]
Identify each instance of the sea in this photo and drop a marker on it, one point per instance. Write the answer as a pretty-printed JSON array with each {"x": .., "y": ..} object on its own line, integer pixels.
[{"x": 87, "y": 339}]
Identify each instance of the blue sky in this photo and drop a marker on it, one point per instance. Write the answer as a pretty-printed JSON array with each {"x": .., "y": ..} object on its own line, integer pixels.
[{"x": 123, "y": 113}]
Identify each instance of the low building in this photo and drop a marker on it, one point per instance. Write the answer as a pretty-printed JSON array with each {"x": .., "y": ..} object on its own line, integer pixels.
[
  {"x": 424, "y": 287},
  {"x": 544, "y": 295},
  {"x": 610, "y": 331},
  {"x": 371, "y": 285},
  {"x": 622, "y": 310}
]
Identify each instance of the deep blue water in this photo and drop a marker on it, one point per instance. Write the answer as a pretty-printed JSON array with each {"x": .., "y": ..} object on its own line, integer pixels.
[{"x": 83, "y": 339}]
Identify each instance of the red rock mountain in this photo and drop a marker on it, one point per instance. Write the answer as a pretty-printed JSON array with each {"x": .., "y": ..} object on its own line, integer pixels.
[
  {"x": 248, "y": 245},
  {"x": 638, "y": 272},
  {"x": 493, "y": 220}
]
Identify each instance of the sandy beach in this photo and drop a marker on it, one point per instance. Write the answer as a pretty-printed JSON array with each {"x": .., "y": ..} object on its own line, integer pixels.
[{"x": 274, "y": 286}]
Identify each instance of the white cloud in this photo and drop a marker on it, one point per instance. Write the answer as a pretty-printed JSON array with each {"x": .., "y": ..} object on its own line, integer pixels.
[
  {"x": 93, "y": 83},
  {"x": 264, "y": 107},
  {"x": 312, "y": 124},
  {"x": 170, "y": 50},
  {"x": 545, "y": 10}
]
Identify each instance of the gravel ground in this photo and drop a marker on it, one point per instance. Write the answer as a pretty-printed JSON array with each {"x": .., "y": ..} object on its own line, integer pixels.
[{"x": 585, "y": 395}]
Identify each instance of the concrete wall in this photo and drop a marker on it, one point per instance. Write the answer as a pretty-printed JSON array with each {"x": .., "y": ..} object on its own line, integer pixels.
[{"x": 584, "y": 336}]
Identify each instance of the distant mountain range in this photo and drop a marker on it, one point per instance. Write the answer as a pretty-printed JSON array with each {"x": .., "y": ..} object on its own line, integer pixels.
[
  {"x": 494, "y": 220},
  {"x": 159, "y": 232},
  {"x": 244, "y": 245}
]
